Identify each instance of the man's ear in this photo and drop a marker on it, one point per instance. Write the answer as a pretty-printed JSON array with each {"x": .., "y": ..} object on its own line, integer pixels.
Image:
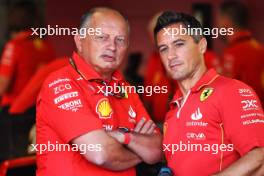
[
  {"x": 202, "y": 45},
  {"x": 78, "y": 44}
]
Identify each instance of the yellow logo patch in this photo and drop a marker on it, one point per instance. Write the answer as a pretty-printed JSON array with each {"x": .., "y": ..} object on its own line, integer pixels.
[
  {"x": 104, "y": 109},
  {"x": 206, "y": 93},
  {"x": 126, "y": 95},
  {"x": 38, "y": 43},
  {"x": 165, "y": 128},
  {"x": 156, "y": 78},
  {"x": 124, "y": 92}
]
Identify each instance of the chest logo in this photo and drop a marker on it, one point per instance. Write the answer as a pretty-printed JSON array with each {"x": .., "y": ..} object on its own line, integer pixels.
[
  {"x": 131, "y": 112},
  {"x": 197, "y": 115},
  {"x": 104, "y": 109},
  {"x": 206, "y": 93}
]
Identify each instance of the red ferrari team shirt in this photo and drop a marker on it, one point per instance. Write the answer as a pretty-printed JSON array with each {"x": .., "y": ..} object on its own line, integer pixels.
[
  {"x": 219, "y": 121},
  {"x": 69, "y": 105},
  {"x": 27, "y": 97},
  {"x": 156, "y": 76},
  {"x": 211, "y": 60},
  {"x": 21, "y": 57},
  {"x": 243, "y": 60}
]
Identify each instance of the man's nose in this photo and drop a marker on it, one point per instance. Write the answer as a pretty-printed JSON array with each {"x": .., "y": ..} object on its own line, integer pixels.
[
  {"x": 111, "y": 45},
  {"x": 172, "y": 54}
]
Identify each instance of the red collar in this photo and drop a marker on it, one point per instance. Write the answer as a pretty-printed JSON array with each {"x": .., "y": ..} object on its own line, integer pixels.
[
  {"x": 240, "y": 35},
  {"x": 88, "y": 72},
  {"x": 23, "y": 34},
  {"x": 205, "y": 80}
]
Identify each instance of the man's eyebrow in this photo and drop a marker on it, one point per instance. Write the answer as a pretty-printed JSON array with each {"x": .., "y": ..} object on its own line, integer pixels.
[
  {"x": 178, "y": 40},
  {"x": 175, "y": 41},
  {"x": 121, "y": 36},
  {"x": 161, "y": 46}
]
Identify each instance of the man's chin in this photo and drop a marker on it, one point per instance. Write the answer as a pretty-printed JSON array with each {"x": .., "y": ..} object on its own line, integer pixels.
[
  {"x": 178, "y": 76},
  {"x": 110, "y": 67}
]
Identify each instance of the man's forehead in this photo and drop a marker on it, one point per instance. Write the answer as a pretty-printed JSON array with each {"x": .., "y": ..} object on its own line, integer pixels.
[
  {"x": 108, "y": 17},
  {"x": 174, "y": 30},
  {"x": 174, "y": 26},
  {"x": 109, "y": 22},
  {"x": 172, "y": 33}
]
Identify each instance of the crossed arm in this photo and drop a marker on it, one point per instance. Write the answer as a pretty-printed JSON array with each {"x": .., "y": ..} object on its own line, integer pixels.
[
  {"x": 145, "y": 146},
  {"x": 112, "y": 154}
]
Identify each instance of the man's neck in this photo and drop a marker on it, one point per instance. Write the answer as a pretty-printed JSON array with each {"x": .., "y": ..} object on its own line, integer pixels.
[
  {"x": 105, "y": 75},
  {"x": 186, "y": 84}
]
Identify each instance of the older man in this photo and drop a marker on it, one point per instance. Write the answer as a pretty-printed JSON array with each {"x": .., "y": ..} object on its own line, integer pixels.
[
  {"x": 215, "y": 124},
  {"x": 112, "y": 130}
]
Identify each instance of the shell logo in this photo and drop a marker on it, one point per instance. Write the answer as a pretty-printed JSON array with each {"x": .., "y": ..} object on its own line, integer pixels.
[{"x": 104, "y": 109}]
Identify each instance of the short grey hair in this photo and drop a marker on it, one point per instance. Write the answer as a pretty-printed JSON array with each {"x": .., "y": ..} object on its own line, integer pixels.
[{"x": 86, "y": 17}]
